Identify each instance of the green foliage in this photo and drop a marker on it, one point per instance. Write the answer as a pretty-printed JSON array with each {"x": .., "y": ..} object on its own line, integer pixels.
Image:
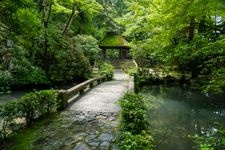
[
  {"x": 22, "y": 69},
  {"x": 106, "y": 70},
  {"x": 84, "y": 21},
  {"x": 133, "y": 113},
  {"x": 211, "y": 140},
  {"x": 8, "y": 114},
  {"x": 5, "y": 80},
  {"x": 112, "y": 54},
  {"x": 68, "y": 63},
  {"x": 48, "y": 101},
  {"x": 22, "y": 139},
  {"x": 185, "y": 34},
  {"x": 134, "y": 126},
  {"x": 39, "y": 53},
  {"x": 217, "y": 83},
  {"x": 28, "y": 21},
  {"x": 136, "y": 142},
  {"x": 89, "y": 46},
  {"x": 29, "y": 107},
  {"x": 112, "y": 9},
  {"x": 36, "y": 104}
]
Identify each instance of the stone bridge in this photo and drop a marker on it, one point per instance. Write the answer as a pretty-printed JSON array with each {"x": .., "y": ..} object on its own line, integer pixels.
[{"x": 90, "y": 122}]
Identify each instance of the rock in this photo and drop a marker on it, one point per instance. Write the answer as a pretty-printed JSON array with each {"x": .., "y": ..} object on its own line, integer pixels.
[
  {"x": 77, "y": 112},
  {"x": 115, "y": 124},
  {"x": 104, "y": 145},
  {"x": 78, "y": 137},
  {"x": 89, "y": 138},
  {"x": 94, "y": 143},
  {"x": 105, "y": 137},
  {"x": 66, "y": 125},
  {"x": 111, "y": 118},
  {"x": 90, "y": 118},
  {"x": 81, "y": 146},
  {"x": 80, "y": 120},
  {"x": 107, "y": 114},
  {"x": 101, "y": 117}
]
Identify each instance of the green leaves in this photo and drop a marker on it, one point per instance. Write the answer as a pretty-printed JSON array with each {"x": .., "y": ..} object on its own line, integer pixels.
[
  {"x": 29, "y": 107},
  {"x": 133, "y": 113},
  {"x": 89, "y": 45},
  {"x": 106, "y": 70},
  {"x": 217, "y": 83},
  {"x": 134, "y": 133},
  {"x": 185, "y": 33},
  {"x": 210, "y": 140},
  {"x": 29, "y": 21},
  {"x": 136, "y": 142}
]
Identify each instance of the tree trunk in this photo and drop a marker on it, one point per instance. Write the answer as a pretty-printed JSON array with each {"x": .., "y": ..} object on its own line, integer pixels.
[
  {"x": 69, "y": 22},
  {"x": 202, "y": 25},
  {"x": 47, "y": 8},
  {"x": 191, "y": 29}
]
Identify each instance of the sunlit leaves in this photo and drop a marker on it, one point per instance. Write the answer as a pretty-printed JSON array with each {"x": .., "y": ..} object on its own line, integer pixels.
[{"x": 29, "y": 21}]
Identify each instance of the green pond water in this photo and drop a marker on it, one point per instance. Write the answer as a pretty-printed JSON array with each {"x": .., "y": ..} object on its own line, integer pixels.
[
  {"x": 4, "y": 98},
  {"x": 176, "y": 113}
]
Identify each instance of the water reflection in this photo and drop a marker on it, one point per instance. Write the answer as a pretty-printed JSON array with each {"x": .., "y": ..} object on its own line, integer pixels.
[
  {"x": 9, "y": 97},
  {"x": 176, "y": 113}
]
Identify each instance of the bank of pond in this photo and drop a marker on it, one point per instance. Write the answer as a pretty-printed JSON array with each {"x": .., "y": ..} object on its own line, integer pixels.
[
  {"x": 171, "y": 117},
  {"x": 16, "y": 92}
]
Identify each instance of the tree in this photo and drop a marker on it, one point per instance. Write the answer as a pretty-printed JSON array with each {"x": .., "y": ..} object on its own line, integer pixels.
[
  {"x": 36, "y": 51},
  {"x": 178, "y": 33}
]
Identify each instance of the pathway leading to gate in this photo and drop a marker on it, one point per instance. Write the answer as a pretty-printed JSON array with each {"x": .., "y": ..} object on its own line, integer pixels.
[
  {"x": 103, "y": 98},
  {"x": 89, "y": 123}
]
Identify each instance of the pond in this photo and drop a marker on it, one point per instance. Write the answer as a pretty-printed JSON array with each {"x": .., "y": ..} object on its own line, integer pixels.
[
  {"x": 176, "y": 114},
  {"x": 16, "y": 94},
  {"x": 12, "y": 96}
]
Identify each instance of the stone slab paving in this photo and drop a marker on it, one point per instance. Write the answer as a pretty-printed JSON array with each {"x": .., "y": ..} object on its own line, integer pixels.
[
  {"x": 103, "y": 98},
  {"x": 90, "y": 123}
]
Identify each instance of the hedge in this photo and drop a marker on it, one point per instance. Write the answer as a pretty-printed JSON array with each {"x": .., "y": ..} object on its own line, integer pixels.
[{"x": 29, "y": 107}]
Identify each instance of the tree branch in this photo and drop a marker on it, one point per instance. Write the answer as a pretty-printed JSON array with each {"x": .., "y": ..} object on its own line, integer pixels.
[
  {"x": 73, "y": 14},
  {"x": 155, "y": 6}
]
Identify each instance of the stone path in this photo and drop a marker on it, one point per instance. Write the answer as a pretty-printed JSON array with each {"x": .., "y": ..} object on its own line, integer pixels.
[
  {"x": 103, "y": 98},
  {"x": 90, "y": 123}
]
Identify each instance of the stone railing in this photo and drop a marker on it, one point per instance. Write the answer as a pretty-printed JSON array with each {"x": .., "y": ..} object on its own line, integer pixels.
[{"x": 67, "y": 96}]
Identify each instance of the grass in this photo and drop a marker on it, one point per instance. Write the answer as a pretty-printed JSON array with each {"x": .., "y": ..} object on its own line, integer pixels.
[{"x": 23, "y": 138}]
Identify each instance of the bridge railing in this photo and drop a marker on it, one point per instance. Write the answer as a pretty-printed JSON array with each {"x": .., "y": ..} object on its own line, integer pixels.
[
  {"x": 131, "y": 85},
  {"x": 67, "y": 96}
]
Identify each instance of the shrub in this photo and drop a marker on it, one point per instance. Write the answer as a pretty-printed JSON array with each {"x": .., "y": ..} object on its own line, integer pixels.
[
  {"x": 36, "y": 104},
  {"x": 210, "y": 140},
  {"x": 89, "y": 46},
  {"x": 5, "y": 80},
  {"x": 141, "y": 141},
  {"x": 23, "y": 71},
  {"x": 30, "y": 107},
  {"x": 48, "y": 100},
  {"x": 66, "y": 61},
  {"x": 133, "y": 113},
  {"x": 107, "y": 70},
  {"x": 134, "y": 126},
  {"x": 8, "y": 114}
]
